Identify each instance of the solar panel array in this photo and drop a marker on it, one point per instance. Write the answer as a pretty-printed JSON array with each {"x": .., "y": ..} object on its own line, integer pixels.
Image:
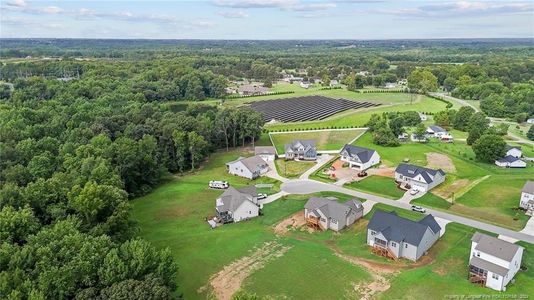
[{"x": 307, "y": 108}]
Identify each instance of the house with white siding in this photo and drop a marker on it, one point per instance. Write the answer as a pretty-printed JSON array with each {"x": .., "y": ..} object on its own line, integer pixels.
[
  {"x": 235, "y": 205},
  {"x": 249, "y": 167},
  {"x": 328, "y": 213},
  {"x": 418, "y": 178},
  {"x": 493, "y": 262},
  {"x": 359, "y": 158},
  {"x": 267, "y": 153},
  {"x": 395, "y": 237},
  {"x": 436, "y": 131},
  {"x": 510, "y": 161},
  {"x": 527, "y": 197},
  {"x": 514, "y": 151}
]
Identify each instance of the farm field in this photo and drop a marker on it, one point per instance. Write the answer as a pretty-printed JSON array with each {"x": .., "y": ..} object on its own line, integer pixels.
[
  {"x": 287, "y": 264},
  {"x": 324, "y": 139},
  {"x": 493, "y": 199},
  {"x": 291, "y": 168}
]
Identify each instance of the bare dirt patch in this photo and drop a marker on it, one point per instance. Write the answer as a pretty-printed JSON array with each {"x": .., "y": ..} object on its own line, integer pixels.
[
  {"x": 446, "y": 191},
  {"x": 440, "y": 161},
  {"x": 294, "y": 221},
  {"x": 227, "y": 281},
  {"x": 382, "y": 171}
]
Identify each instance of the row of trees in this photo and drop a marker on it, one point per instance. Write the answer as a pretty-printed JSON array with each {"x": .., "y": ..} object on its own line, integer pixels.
[
  {"x": 386, "y": 127},
  {"x": 71, "y": 157}
]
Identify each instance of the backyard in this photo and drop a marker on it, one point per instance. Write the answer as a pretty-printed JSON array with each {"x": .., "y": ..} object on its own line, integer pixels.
[{"x": 324, "y": 139}]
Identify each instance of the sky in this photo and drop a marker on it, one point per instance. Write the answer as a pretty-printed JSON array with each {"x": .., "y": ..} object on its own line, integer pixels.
[{"x": 267, "y": 19}]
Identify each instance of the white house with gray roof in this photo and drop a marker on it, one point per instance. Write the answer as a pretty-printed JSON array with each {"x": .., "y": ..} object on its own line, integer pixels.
[
  {"x": 400, "y": 237},
  {"x": 436, "y": 131},
  {"x": 418, "y": 178},
  {"x": 328, "y": 213},
  {"x": 236, "y": 205},
  {"x": 358, "y": 157},
  {"x": 493, "y": 262},
  {"x": 510, "y": 161},
  {"x": 249, "y": 167},
  {"x": 301, "y": 149},
  {"x": 514, "y": 151},
  {"x": 527, "y": 197}
]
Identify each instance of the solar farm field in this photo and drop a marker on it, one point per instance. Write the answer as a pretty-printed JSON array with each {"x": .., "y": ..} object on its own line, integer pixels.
[
  {"x": 306, "y": 108},
  {"x": 326, "y": 140}
]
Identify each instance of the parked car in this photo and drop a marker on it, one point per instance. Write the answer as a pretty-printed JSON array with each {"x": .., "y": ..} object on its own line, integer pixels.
[
  {"x": 216, "y": 184},
  {"x": 414, "y": 192},
  {"x": 262, "y": 196},
  {"x": 418, "y": 209}
]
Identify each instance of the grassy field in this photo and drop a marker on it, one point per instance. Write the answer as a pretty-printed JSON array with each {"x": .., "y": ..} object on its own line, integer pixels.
[
  {"x": 291, "y": 168},
  {"x": 325, "y": 140},
  {"x": 173, "y": 216},
  {"x": 377, "y": 185},
  {"x": 492, "y": 200}
]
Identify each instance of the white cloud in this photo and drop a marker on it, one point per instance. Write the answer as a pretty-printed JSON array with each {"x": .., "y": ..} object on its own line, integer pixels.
[
  {"x": 237, "y": 14},
  {"x": 255, "y": 3},
  {"x": 16, "y": 3},
  {"x": 52, "y": 10},
  {"x": 313, "y": 6},
  {"x": 465, "y": 8}
]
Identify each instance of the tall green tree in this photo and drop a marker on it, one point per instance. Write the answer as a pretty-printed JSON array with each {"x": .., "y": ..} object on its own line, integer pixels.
[
  {"x": 489, "y": 147},
  {"x": 423, "y": 81}
]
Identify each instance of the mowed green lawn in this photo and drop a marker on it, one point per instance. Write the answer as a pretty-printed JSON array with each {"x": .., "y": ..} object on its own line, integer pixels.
[
  {"x": 377, "y": 185},
  {"x": 493, "y": 200},
  {"x": 173, "y": 216},
  {"x": 291, "y": 168},
  {"x": 324, "y": 139}
]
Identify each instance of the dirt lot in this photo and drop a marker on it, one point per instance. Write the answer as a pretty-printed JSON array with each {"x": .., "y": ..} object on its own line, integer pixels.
[
  {"x": 295, "y": 221},
  {"x": 446, "y": 191},
  {"x": 440, "y": 161},
  {"x": 227, "y": 281},
  {"x": 382, "y": 171}
]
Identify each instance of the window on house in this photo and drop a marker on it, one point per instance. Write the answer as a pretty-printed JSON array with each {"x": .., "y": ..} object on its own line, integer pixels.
[
  {"x": 373, "y": 233},
  {"x": 406, "y": 246},
  {"x": 494, "y": 276},
  {"x": 393, "y": 244}
]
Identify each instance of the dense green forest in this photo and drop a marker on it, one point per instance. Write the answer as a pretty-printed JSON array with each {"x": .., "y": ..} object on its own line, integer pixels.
[{"x": 105, "y": 120}]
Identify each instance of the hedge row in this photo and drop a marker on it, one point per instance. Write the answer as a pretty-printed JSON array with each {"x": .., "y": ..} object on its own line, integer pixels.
[
  {"x": 330, "y": 88},
  {"x": 310, "y": 128}
]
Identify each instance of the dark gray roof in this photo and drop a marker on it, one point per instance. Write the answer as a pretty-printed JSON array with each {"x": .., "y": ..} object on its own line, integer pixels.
[
  {"x": 332, "y": 208},
  {"x": 528, "y": 187},
  {"x": 294, "y": 145},
  {"x": 489, "y": 266},
  {"x": 495, "y": 247},
  {"x": 232, "y": 198},
  {"x": 508, "y": 159},
  {"x": 412, "y": 171},
  {"x": 399, "y": 229},
  {"x": 264, "y": 150},
  {"x": 249, "y": 190},
  {"x": 363, "y": 154},
  {"x": 436, "y": 128}
]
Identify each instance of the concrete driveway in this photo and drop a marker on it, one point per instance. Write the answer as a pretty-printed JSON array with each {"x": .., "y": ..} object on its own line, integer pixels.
[
  {"x": 321, "y": 160},
  {"x": 302, "y": 187}
]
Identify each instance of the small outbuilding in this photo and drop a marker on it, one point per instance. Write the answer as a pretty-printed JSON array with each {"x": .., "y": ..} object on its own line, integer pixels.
[{"x": 267, "y": 153}]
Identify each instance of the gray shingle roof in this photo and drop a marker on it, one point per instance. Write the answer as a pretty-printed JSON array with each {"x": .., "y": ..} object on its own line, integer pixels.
[
  {"x": 436, "y": 128},
  {"x": 489, "y": 266},
  {"x": 253, "y": 163},
  {"x": 495, "y": 247},
  {"x": 332, "y": 208},
  {"x": 294, "y": 145},
  {"x": 399, "y": 229},
  {"x": 363, "y": 154},
  {"x": 412, "y": 171},
  {"x": 232, "y": 198},
  {"x": 528, "y": 187},
  {"x": 508, "y": 159},
  {"x": 264, "y": 150}
]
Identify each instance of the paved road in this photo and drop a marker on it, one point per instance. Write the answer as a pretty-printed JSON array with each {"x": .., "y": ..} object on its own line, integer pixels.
[
  {"x": 300, "y": 186},
  {"x": 461, "y": 101}
]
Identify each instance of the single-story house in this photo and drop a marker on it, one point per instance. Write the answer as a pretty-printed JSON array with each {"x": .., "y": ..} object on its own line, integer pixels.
[
  {"x": 527, "y": 197},
  {"x": 436, "y": 131},
  {"x": 418, "y": 138},
  {"x": 493, "y": 262},
  {"x": 359, "y": 158},
  {"x": 250, "y": 167},
  {"x": 236, "y": 205},
  {"x": 301, "y": 149},
  {"x": 514, "y": 151},
  {"x": 250, "y": 89},
  {"x": 510, "y": 162},
  {"x": 418, "y": 178},
  {"x": 328, "y": 213},
  {"x": 396, "y": 237},
  {"x": 267, "y": 153}
]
